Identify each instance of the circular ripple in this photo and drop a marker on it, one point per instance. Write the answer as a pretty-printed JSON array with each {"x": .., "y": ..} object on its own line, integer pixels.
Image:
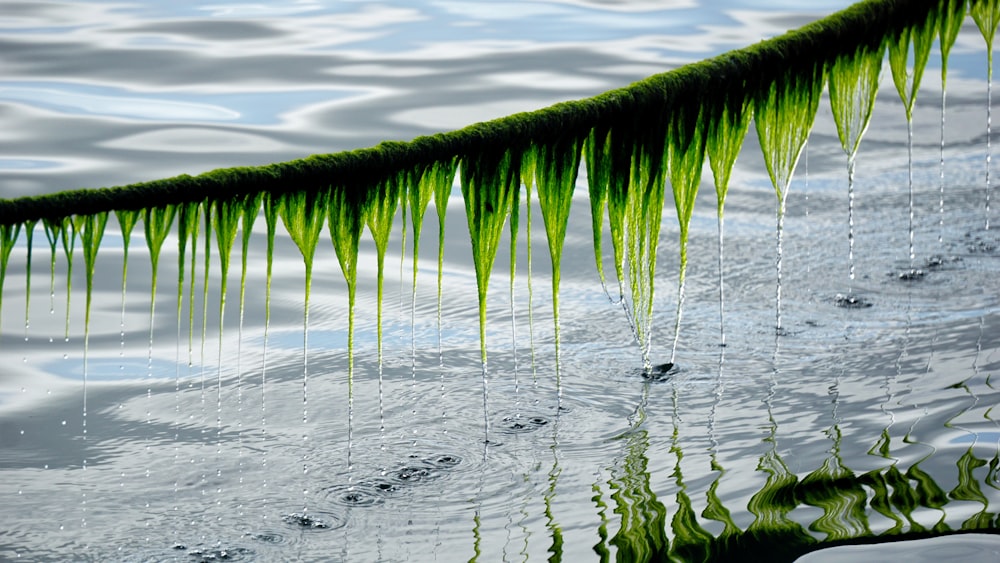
[
  {"x": 317, "y": 521},
  {"x": 360, "y": 495},
  {"x": 522, "y": 424},
  {"x": 208, "y": 555},
  {"x": 413, "y": 474},
  {"x": 272, "y": 538}
]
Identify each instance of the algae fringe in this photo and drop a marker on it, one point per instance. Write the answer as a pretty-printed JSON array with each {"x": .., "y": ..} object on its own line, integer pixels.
[{"x": 632, "y": 140}]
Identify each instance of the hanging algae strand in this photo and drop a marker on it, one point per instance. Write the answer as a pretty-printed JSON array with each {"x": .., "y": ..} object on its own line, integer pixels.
[
  {"x": 727, "y": 128},
  {"x": 853, "y": 86},
  {"x": 685, "y": 157},
  {"x": 951, "y": 17},
  {"x": 302, "y": 214},
  {"x": 907, "y": 84},
  {"x": 227, "y": 217},
  {"x": 556, "y": 168},
  {"x": 488, "y": 184},
  {"x": 126, "y": 222},
  {"x": 986, "y": 14},
  {"x": 783, "y": 117},
  {"x": 8, "y": 236}
]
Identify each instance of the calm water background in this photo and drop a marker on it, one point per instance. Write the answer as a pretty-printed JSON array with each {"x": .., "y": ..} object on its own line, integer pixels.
[{"x": 208, "y": 442}]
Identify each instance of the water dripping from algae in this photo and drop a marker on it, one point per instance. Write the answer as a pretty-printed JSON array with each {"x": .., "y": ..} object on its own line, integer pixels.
[
  {"x": 442, "y": 192},
  {"x": 920, "y": 37},
  {"x": 419, "y": 192},
  {"x": 302, "y": 213},
  {"x": 515, "y": 225},
  {"x": 126, "y": 222},
  {"x": 556, "y": 166},
  {"x": 249, "y": 210},
  {"x": 157, "y": 222},
  {"x": 8, "y": 236},
  {"x": 29, "y": 236},
  {"x": 643, "y": 212},
  {"x": 380, "y": 213},
  {"x": 854, "y": 81},
  {"x": 783, "y": 117},
  {"x": 227, "y": 219},
  {"x": 92, "y": 232},
  {"x": 346, "y": 217},
  {"x": 952, "y": 14},
  {"x": 685, "y": 157},
  {"x": 488, "y": 184},
  {"x": 728, "y": 125},
  {"x": 986, "y": 14},
  {"x": 188, "y": 215},
  {"x": 625, "y": 171},
  {"x": 271, "y": 220},
  {"x": 61, "y": 230}
]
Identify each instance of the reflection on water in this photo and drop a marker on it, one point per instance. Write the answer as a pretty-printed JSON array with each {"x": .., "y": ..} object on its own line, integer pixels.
[{"x": 860, "y": 422}]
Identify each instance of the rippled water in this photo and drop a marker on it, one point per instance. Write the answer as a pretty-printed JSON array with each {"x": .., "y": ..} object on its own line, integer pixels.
[{"x": 187, "y": 445}]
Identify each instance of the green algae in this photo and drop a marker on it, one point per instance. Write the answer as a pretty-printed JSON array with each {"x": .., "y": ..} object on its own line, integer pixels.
[
  {"x": 8, "y": 236},
  {"x": 854, "y": 82},
  {"x": 302, "y": 213},
  {"x": 53, "y": 230},
  {"x": 442, "y": 192},
  {"x": 685, "y": 156},
  {"x": 986, "y": 14},
  {"x": 783, "y": 117},
  {"x": 918, "y": 39},
  {"x": 347, "y": 217},
  {"x": 556, "y": 166},
  {"x": 157, "y": 222},
  {"x": 29, "y": 238},
  {"x": 188, "y": 220},
  {"x": 489, "y": 182},
  {"x": 91, "y": 234},
  {"x": 426, "y": 185},
  {"x": 951, "y": 15},
  {"x": 621, "y": 137},
  {"x": 642, "y": 212},
  {"x": 379, "y": 215},
  {"x": 728, "y": 123}
]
